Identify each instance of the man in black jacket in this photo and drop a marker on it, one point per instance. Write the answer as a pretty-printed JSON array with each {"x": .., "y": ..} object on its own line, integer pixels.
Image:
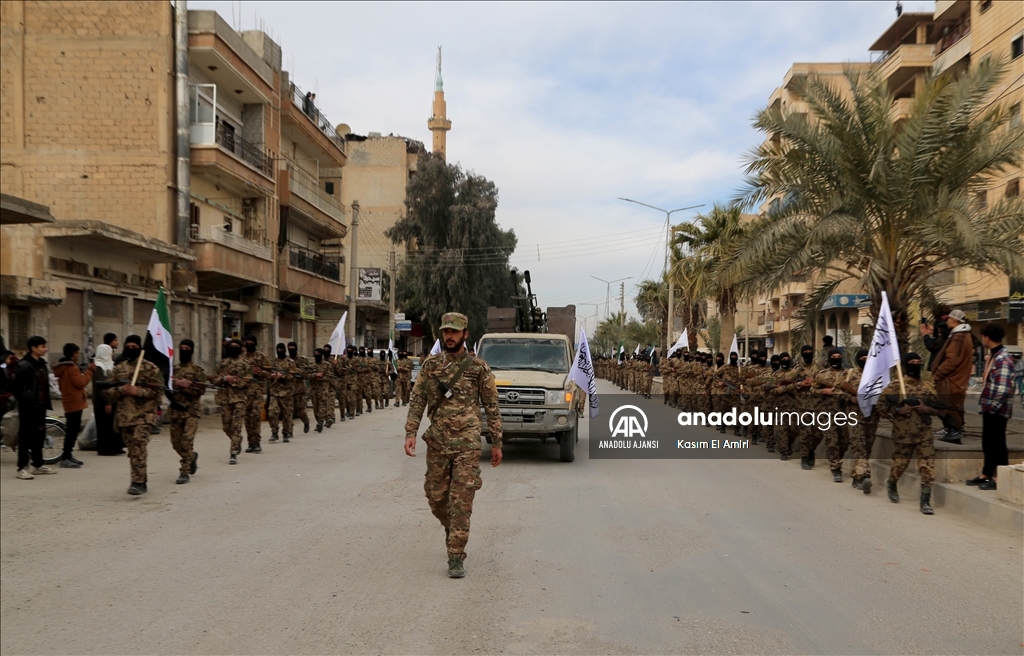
[{"x": 32, "y": 385}]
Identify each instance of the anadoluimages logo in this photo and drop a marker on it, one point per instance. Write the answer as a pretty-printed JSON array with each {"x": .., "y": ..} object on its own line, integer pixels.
[{"x": 628, "y": 424}]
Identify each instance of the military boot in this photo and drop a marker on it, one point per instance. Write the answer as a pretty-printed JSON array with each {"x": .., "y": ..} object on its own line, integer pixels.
[
  {"x": 195, "y": 463},
  {"x": 305, "y": 427},
  {"x": 273, "y": 435},
  {"x": 857, "y": 485},
  {"x": 256, "y": 448},
  {"x": 319, "y": 426},
  {"x": 182, "y": 479},
  {"x": 455, "y": 567},
  {"x": 287, "y": 438},
  {"x": 890, "y": 487},
  {"x": 810, "y": 459},
  {"x": 837, "y": 475},
  {"x": 233, "y": 460},
  {"x": 736, "y": 432},
  {"x": 387, "y": 402},
  {"x": 784, "y": 456},
  {"x": 135, "y": 489},
  {"x": 805, "y": 463},
  {"x": 330, "y": 420},
  {"x": 866, "y": 485},
  {"x": 252, "y": 447},
  {"x": 926, "y": 501}
]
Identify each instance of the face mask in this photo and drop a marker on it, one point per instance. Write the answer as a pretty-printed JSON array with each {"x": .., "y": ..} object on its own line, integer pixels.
[
  {"x": 292, "y": 353},
  {"x": 733, "y": 360},
  {"x": 775, "y": 365},
  {"x": 912, "y": 370},
  {"x": 186, "y": 356},
  {"x": 250, "y": 347},
  {"x": 234, "y": 351},
  {"x": 808, "y": 357},
  {"x": 280, "y": 354},
  {"x": 837, "y": 363},
  {"x": 132, "y": 352},
  {"x": 785, "y": 364},
  {"x": 318, "y": 357}
]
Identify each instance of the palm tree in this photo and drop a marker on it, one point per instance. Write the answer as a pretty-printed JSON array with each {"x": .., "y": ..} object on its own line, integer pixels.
[
  {"x": 854, "y": 196},
  {"x": 700, "y": 252},
  {"x": 652, "y": 304}
]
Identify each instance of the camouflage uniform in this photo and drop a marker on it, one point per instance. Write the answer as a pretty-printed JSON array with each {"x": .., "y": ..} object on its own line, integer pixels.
[
  {"x": 322, "y": 391},
  {"x": 786, "y": 433},
  {"x": 257, "y": 394},
  {"x": 136, "y": 415},
  {"x": 282, "y": 394},
  {"x": 404, "y": 379},
  {"x": 300, "y": 399},
  {"x": 234, "y": 399},
  {"x": 346, "y": 389},
  {"x": 185, "y": 423},
  {"x": 453, "y": 438},
  {"x": 911, "y": 434},
  {"x": 862, "y": 438},
  {"x": 837, "y": 438}
]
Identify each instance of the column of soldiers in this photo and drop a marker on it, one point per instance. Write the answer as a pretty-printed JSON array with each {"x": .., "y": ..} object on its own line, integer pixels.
[
  {"x": 248, "y": 386},
  {"x": 696, "y": 382}
]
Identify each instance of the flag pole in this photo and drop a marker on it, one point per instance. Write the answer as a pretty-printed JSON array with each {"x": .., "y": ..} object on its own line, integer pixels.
[
  {"x": 899, "y": 372},
  {"x": 138, "y": 365}
]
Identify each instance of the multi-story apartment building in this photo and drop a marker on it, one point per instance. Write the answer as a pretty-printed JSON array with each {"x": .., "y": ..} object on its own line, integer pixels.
[
  {"x": 89, "y": 120},
  {"x": 960, "y": 33}
]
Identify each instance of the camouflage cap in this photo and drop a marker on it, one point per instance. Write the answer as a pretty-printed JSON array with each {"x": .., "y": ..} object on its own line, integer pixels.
[{"x": 455, "y": 321}]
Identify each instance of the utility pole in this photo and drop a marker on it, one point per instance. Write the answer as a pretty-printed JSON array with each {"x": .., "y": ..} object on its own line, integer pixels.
[
  {"x": 607, "y": 292},
  {"x": 622, "y": 304},
  {"x": 353, "y": 283},
  {"x": 667, "y": 271},
  {"x": 391, "y": 302}
]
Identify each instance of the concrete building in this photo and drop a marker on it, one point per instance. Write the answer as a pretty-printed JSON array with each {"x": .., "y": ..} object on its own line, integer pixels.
[
  {"x": 89, "y": 126},
  {"x": 959, "y": 34}
]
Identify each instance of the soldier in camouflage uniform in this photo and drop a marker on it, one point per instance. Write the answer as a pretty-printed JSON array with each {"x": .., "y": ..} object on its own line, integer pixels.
[
  {"x": 343, "y": 376},
  {"x": 189, "y": 385},
  {"x": 303, "y": 365},
  {"x": 862, "y": 438},
  {"x": 810, "y": 437},
  {"x": 402, "y": 388},
  {"x": 257, "y": 389},
  {"x": 754, "y": 379},
  {"x": 233, "y": 379},
  {"x": 453, "y": 438},
  {"x": 833, "y": 394},
  {"x": 911, "y": 429},
  {"x": 137, "y": 406},
  {"x": 784, "y": 396},
  {"x": 322, "y": 390},
  {"x": 383, "y": 375},
  {"x": 282, "y": 393}
]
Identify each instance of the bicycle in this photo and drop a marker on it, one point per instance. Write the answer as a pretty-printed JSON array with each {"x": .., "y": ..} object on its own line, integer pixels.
[{"x": 53, "y": 440}]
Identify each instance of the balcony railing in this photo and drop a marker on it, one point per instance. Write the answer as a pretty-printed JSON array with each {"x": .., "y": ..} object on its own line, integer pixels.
[
  {"x": 251, "y": 241},
  {"x": 307, "y": 187},
  {"x": 305, "y": 102},
  {"x": 316, "y": 263},
  {"x": 250, "y": 153},
  {"x": 947, "y": 40}
]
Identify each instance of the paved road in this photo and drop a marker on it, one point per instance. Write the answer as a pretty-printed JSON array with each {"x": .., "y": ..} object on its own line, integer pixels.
[{"x": 326, "y": 545}]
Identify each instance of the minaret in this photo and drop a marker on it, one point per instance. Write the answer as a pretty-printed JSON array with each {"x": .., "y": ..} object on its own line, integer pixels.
[{"x": 438, "y": 122}]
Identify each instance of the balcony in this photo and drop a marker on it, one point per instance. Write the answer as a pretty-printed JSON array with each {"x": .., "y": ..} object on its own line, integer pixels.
[
  {"x": 952, "y": 49},
  {"x": 902, "y": 63},
  {"x": 319, "y": 212},
  {"x": 309, "y": 127},
  {"x": 901, "y": 109},
  {"x": 316, "y": 263},
  {"x": 220, "y": 153},
  {"x": 313, "y": 274},
  {"x": 226, "y": 259}
]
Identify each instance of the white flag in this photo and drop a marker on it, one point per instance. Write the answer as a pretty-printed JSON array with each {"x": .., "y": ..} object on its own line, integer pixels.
[
  {"x": 392, "y": 355},
  {"x": 337, "y": 340},
  {"x": 437, "y": 347},
  {"x": 681, "y": 343},
  {"x": 636, "y": 351},
  {"x": 883, "y": 355},
  {"x": 582, "y": 372},
  {"x": 734, "y": 347}
]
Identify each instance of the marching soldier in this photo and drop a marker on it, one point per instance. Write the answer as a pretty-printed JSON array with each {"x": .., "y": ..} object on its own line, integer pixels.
[
  {"x": 257, "y": 389},
  {"x": 281, "y": 395},
  {"x": 233, "y": 380},
  {"x": 402, "y": 388},
  {"x": 451, "y": 387},
  {"x": 803, "y": 375},
  {"x": 137, "y": 406},
  {"x": 911, "y": 429},
  {"x": 336, "y": 387},
  {"x": 862, "y": 439},
  {"x": 189, "y": 385},
  {"x": 322, "y": 390},
  {"x": 784, "y": 390},
  {"x": 833, "y": 392},
  {"x": 299, "y": 401}
]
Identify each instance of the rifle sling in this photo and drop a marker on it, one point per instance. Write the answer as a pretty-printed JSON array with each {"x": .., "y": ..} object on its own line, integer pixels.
[{"x": 466, "y": 361}]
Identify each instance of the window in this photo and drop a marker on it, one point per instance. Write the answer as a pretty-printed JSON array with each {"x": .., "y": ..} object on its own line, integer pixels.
[
  {"x": 1013, "y": 188},
  {"x": 985, "y": 6},
  {"x": 329, "y": 187},
  {"x": 1017, "y": 47},
  {"x": 18, "y": 317}
]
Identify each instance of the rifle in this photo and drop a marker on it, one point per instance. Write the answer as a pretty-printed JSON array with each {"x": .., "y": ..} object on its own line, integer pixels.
[
  {"x": 106, "y": 385},
  {"x": 915, "y": 402}
]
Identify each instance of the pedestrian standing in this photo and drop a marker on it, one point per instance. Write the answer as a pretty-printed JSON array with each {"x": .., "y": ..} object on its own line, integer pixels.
[
  {"x": 72, "y": 382},
  {"x": 995, "y": 405},
  {"x": 911, "y": 429},
  {"x": 452, "y": 386},
  {"x": 951, "y": 372},
  {"x": 32, "y": 386},
  {"x": 137, "y": 405},
  {"x": 233, "y": 379},
  {"x": 189, "y": 385},
  {"x": 108, "y": 438}
]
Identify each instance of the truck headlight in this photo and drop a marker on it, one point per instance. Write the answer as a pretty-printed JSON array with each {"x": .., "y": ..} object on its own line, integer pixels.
[{"x": 559, "y": 397}]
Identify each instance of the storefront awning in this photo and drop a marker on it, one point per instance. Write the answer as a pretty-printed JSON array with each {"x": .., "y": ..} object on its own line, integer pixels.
[
  {"x": 127, "y": 242},
  {"x": 14, "y": 211}
]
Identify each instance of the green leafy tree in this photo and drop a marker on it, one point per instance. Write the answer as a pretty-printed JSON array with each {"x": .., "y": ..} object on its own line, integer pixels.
[
  {"x": 457, "y": 253},
  {"x": 856, "y": 196}
]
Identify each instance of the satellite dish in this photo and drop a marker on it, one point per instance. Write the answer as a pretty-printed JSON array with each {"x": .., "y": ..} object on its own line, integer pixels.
[{"x": 343, "y": 130}]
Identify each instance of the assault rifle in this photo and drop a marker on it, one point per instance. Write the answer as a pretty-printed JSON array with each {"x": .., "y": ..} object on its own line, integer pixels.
[
  {"x": 912, "y": 402},
  {"x": 106, "y": 385}
]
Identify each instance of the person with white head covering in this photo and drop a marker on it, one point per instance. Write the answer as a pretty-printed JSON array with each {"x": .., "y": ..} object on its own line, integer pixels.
[{"x": 108, "y": 440}]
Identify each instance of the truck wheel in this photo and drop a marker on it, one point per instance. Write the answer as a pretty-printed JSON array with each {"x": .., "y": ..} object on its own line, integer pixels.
[{"x": 567, "y": 448}]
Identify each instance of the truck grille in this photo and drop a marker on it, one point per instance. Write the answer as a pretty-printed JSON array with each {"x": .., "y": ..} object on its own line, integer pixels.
[{"x": 520, "y": 396}]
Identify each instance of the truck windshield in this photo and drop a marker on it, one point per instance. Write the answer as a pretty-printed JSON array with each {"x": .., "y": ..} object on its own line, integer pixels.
[{"x": 522, "y": 353}]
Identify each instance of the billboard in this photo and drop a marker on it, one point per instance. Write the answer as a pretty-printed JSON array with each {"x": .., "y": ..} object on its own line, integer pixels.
[{"x": 369, "y": 284}]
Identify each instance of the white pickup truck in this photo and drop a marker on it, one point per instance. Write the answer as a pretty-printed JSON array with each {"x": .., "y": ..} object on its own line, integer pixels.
[{"x": 534, "y": 394}]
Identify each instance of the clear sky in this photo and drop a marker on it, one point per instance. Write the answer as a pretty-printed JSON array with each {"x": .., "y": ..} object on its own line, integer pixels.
[{"x": 568, "y": 106}]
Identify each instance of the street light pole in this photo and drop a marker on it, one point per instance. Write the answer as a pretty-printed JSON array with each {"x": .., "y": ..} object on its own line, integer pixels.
[
  {"x": 668, "y": 246},
  {"x": 608, "y": 291}
]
